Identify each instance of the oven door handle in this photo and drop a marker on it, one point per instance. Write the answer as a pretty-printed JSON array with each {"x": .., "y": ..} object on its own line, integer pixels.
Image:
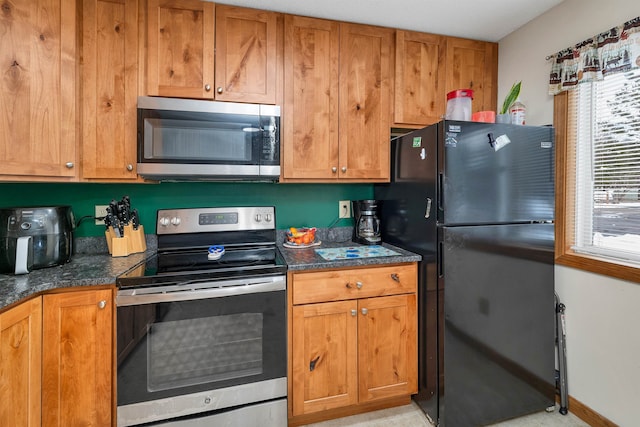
[{"x": 200, "y": 290}]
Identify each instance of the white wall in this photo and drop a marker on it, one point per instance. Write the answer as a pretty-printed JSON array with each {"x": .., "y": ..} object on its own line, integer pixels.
[{"x": 603, "y": 314}]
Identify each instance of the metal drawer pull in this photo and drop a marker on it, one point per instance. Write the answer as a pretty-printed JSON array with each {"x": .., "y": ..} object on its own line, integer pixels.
[
  {"x": 348, "y": 285},
  {"x": 354, "y": 312},
  {"x": 359, "y": 285},
  {"x": 364, "y": 311},
  {"x": 102, "y": 304},
  {"x": 395, "y": 277},
  {"x": 312, "y": 364}
]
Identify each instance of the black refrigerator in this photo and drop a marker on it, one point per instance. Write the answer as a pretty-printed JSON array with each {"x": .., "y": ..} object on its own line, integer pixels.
[{"x": 476, "y": 200}]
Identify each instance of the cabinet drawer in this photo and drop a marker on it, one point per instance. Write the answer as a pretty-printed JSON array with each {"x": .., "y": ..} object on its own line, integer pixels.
[{"x": 333, "y": 285}]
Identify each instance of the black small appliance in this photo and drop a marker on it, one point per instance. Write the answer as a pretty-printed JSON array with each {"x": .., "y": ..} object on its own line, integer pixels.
[{"x": 366, "y": 226}]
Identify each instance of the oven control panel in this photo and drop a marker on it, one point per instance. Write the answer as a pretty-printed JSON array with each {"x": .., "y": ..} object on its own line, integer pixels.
[{"x": 199, "y": 220}]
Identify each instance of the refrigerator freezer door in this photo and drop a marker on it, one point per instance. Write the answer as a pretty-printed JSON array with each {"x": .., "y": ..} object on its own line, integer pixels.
[
  {"x": 499, "y": 322},
  {"x": 408, "y": 204},
  {"x": 495, "y": 173}
]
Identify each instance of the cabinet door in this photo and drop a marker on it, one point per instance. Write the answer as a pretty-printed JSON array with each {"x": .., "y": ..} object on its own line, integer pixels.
[
  {"x": 37, "y": 90},
  {"x": 77, "y": 359},
  {"x": 473, "y": 65},
  {"x": 420, "y": 98},
  {"x": 365, "y": 101},
  {"x": 110, "y": 88},
  {"x": 246, "y": 55},
  {"x": 20, "y": 364},
  {"x": 310, "y": 128},
  {"x": 324, "y": 356},
  {"x": 387, "y": 347},
  {"x": 180, "y": 38}
]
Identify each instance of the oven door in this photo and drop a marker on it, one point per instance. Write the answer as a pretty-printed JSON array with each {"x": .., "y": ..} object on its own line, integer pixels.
[{"x": 211, "y": 346}]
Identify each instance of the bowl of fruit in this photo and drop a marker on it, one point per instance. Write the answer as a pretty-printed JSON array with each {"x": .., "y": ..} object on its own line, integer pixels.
[{"x": 300, "y": 237}]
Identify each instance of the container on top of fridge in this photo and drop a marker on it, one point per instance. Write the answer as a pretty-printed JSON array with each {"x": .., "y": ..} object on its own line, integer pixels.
[{"x": 459, "y": 104}]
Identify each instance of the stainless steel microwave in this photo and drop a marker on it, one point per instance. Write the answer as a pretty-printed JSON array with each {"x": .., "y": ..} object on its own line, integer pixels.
[{"x": 186, "y": 139}]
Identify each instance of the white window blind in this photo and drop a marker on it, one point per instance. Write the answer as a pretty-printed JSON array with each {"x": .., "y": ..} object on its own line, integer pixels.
[{"x": 605, "y": 129}]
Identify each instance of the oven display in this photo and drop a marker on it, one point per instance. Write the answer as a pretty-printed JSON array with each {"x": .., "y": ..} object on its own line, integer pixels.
[{"x": 218, "y": 218}]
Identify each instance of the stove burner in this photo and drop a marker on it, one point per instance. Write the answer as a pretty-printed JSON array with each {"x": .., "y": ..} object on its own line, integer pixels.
[{"x": 186, "y": 253}]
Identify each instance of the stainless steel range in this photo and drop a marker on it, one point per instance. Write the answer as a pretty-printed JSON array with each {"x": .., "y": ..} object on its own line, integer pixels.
[{"x": 201, "y": 326}]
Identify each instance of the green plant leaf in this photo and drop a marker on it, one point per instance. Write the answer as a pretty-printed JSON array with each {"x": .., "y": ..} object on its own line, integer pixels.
[{"x": 511, "y": 97}]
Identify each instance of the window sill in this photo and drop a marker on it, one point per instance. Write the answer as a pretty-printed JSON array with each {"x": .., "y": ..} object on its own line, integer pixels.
[{"x": 600, "y": 266}]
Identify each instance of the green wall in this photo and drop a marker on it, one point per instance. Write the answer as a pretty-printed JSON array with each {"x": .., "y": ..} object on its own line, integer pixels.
[{"x": 296, "y": 204}]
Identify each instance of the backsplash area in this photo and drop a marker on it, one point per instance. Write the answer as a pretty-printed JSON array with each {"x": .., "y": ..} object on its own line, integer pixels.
[{"x": 296, "y": 204}]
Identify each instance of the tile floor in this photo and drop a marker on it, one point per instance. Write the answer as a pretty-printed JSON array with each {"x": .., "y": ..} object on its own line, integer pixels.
[{"x": 411, "y": 416}]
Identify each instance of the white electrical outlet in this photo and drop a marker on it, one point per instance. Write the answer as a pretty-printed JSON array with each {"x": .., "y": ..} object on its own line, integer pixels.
[
  {"x": 344, "y": 207},
  {"x": 101, "y": 211}
]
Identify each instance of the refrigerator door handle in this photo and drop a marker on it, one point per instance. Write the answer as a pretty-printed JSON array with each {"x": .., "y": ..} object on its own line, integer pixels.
[
  {"x": 427, "y": 212},
  {"x": 440, "y": 191}
]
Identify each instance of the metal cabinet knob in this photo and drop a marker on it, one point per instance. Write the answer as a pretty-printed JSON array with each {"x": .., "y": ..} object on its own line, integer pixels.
[
  {"x": 219, "y": 89},
  {"x": 364, "y": 311},
  {"x": 102, "y": 304},
  {"x": 395, "y": 277},
  {"x": 334, "y": 169},
  {"x": 69, "y": 165},
  {"x": 344, "y": 169},
  {"x": 354, "y": 312},
  {"x": 129, "y": 167},
  {"x": 359, "y": 285},
  {"x": 207, "y": 87}
]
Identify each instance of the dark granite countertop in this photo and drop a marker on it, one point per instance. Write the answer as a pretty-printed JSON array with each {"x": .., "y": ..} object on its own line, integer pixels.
[
  {"x": 82, "y": 270},
  {"x": 308, "y": 259},
  {"x": 91, "y": 265}
]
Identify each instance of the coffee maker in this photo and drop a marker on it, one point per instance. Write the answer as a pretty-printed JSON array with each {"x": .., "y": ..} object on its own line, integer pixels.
[{"x": 366, "y": 225}]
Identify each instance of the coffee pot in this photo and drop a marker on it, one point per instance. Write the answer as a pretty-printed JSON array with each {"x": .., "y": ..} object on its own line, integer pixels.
[{"x": 366, "y": 229}]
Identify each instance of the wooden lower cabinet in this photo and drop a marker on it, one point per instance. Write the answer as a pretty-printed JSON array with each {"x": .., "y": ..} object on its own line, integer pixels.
[
  {"x": 77, "y": 359},
  {"x": 325, "y": 359},
  {"x": 350, "y": 351},
  {"x": 20, "y": 364}
]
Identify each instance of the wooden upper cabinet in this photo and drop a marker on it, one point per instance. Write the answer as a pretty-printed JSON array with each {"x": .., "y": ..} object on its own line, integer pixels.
[
  {"x": 110, "y": 89},
  {"x": 77, "y": 362},
  {"x": 200, "y": 50},
  {"x": 21, "y": 364},
  {"x": 337, "y": 97},
  {"x": 246, "y": 55},
  {"x": 310, "y": 113},
  {"x": 473, "y": 65},
  {"x": 180, "y": 48},
  {"x": 38, "y": 89},
  {"x": 366, "y": 72},
  {"x": 419, "y": 78}
]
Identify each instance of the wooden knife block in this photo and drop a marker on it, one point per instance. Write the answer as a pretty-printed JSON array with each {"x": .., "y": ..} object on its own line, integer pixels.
[{"x": 132, "y": 242}]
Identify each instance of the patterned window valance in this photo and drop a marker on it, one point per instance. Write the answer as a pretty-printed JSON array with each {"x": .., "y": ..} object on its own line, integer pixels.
[{"x": 613, "y": 51}]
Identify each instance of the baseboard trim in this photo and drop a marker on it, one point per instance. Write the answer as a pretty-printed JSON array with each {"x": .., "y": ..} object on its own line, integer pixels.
[
  {"x": 587, "y": 414},
  {"x": 347, "y": 411}
]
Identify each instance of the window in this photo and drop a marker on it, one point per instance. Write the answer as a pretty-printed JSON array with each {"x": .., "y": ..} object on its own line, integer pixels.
[{"x": 598, "y": 135}]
